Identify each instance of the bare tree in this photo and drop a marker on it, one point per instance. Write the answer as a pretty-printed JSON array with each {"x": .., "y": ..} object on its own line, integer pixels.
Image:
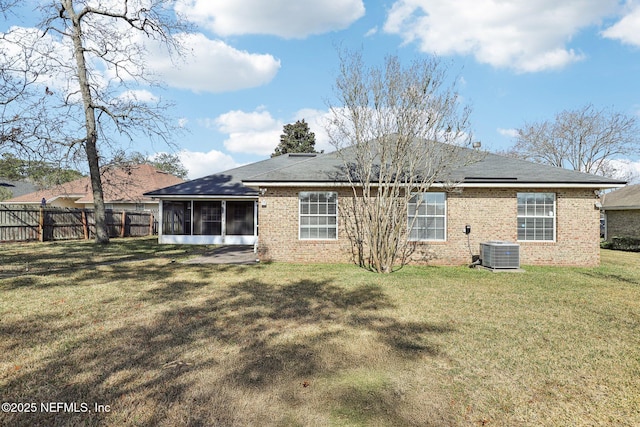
[
  {"x": 586, "y": 139},
  {"x": 398, "y": 130},
  {"x": 7, "y": 5},
  {"x": 78, "y": 85}
]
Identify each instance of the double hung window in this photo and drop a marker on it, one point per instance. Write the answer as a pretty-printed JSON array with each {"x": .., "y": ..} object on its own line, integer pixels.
[
  {"x": 426, "y": 217},
  {"x": 318, "y": 215},
  {"x": 536, "y": 216}
]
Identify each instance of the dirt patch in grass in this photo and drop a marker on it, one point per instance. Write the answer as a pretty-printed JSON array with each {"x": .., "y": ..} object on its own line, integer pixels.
[{"x": 162, "y": 343}]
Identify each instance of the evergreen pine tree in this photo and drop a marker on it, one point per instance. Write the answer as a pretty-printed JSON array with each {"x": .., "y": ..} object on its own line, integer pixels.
[{"x": 296, "y": 138}]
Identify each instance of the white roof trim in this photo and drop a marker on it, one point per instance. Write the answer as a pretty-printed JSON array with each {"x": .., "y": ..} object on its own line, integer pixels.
[
  {"x": 202, "y": 197},
  {"x": 620, "y": 208},
  {"x": 441, "y": 185},
  {"x": 539, "y": 185}
]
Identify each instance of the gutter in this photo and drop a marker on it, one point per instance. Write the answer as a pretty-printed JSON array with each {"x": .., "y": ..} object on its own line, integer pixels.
[
  {"x": 325, "y": 184},
  {"x": 202, "y": 197},
  {"x": 620, "y": 208}
]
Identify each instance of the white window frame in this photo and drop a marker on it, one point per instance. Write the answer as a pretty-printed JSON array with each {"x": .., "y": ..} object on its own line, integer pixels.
[
  {"x": 302, "y": 215},
  {"x": 536, "y": 211},
  {"x": 411, "y": 220}
]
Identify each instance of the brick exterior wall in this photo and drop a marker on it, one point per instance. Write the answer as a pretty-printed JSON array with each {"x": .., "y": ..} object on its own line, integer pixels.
[
  {"x": 623, "y": 223},
  {"x": 491, "y": 213},
  {"x": 278, "y": 232}
]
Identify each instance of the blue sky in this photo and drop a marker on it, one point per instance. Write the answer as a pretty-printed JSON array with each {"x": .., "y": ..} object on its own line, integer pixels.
[{"x": 257, "y": 65}]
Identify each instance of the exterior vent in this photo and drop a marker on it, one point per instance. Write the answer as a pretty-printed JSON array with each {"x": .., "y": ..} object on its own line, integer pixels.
[
  {"x": 302, "y": 154},
  {"x": 500, "y": 255}
]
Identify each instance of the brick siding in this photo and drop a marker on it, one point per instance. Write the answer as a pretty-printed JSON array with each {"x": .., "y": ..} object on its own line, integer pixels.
[
  {"x": 623, "y": 223},
  {"x": 491, "y": 213}
]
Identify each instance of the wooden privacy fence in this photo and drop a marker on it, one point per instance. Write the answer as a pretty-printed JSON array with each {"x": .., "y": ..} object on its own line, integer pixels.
[{"x": 46, "y": 224}]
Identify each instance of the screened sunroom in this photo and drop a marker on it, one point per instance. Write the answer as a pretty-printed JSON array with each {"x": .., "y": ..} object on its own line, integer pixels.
[{"x": 224, "y": 221}]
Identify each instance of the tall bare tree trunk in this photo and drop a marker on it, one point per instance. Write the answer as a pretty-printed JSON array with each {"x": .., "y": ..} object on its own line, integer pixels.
[{"x": 102, "y": 235}]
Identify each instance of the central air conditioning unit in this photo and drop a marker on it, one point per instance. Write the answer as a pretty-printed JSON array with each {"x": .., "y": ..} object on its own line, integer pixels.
[{"x": 500, "y": 255}]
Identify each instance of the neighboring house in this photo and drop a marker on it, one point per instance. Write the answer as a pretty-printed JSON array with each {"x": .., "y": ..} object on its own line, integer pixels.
[
  {"x": 123, "y": 189},
  {"x": 293, "y": 203},
  {"x": 621, "y": 212},
  {"x": 15, "y": 188}
]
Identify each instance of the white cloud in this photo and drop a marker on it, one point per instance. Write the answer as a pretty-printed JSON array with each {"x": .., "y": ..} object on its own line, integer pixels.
[
  {"x": 258, "y": 132},
  {"x": 213, "y": 66},
  {"x": 625, "y": 169},
  {"x": 138, "y": 96},
  {"x": 208, "y": 66},
  {"x": 373, "y": 31},
  {"x": 252, "y": 133},
  {"x": 317, "y": 120},
  {"x": 39, "y": 55},
  {"x": 627, "y": 29},
  {"x": 283, "y": 18},
  {"x": 511, "y": 133},
  {"x": 523, "y": 35},
  {"x": 201, "y": 164}
]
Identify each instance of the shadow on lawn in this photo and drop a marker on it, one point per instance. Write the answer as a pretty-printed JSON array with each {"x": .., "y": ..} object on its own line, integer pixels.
[
  {"x": 612, "y": 277},
  {"x": 59, "y": 257},
  {"x": 227, "y": 359}
]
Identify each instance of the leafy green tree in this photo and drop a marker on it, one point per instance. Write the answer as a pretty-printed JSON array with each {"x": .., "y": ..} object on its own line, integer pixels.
[
  {"x": 41, "y": 173},
  {"x": 165, "y": 162},
  {"x": 5, "y": 194},
  {"x": 170, "y": 163},
  {"x": 296, "y": 138},
  {"x": 12, "y": 168},
  {"x": 44, "y": 175}
]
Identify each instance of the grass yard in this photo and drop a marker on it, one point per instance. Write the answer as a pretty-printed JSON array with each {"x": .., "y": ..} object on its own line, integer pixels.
[{"x": 153, "y": 342}]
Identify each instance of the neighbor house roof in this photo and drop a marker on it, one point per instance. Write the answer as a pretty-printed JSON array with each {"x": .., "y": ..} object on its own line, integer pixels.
[
  {"x": 124, "y": 184},
  {"x": 17, "y": 188},
  {"x": 625, "y": 198},
  {"x": 490, "y": 170}
]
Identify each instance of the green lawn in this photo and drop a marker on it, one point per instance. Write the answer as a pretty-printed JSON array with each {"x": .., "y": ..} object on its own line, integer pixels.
[{"x": 157, "y": 342}]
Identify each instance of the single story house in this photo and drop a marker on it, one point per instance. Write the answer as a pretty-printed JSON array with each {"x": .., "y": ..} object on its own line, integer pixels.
[
  {"x": 288, "y": 207},
  {"x": 621, "y": 212},
  {"x": 123, "y": 189}
]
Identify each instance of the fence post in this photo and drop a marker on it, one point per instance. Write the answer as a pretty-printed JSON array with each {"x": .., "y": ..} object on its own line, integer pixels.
[
  {"x": 41, "y": 226},
  {"x": 150, "y": 223},
  {"x": 85, "y": 224},
  {"x": 124, "y": 223}
]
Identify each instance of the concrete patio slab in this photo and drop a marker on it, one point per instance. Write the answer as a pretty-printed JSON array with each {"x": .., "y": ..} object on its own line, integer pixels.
[{"x": 227, "y": 255}]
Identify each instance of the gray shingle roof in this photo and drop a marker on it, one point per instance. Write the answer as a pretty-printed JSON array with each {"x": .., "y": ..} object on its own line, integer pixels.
[
  {"x": 490, "y": 169},
  {"x": 496, "y": 168},
  {"x": 17, "y": 188},
  {"x": 230, "y": 182},
  {"x": 328, "y": 169},
  {"x": 624, "y": 198}
]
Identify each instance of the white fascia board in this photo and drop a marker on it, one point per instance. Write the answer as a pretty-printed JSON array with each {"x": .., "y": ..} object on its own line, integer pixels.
[
  {"x": 441, "y": 185},
  {"x": 620, "y": 208},
  {"x": 204, "y": 197},
  {"x": 67, "y": 196},
  {"x": 297, "y": 184},
  {"x": 536, "y": 185}
]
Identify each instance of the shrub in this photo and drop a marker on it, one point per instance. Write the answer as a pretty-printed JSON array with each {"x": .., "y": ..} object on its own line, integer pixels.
[{"x": 624, "y": 243}]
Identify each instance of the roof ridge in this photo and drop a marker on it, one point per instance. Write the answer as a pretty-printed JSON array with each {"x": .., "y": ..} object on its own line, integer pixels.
[{"x": 302, "y": 160}]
